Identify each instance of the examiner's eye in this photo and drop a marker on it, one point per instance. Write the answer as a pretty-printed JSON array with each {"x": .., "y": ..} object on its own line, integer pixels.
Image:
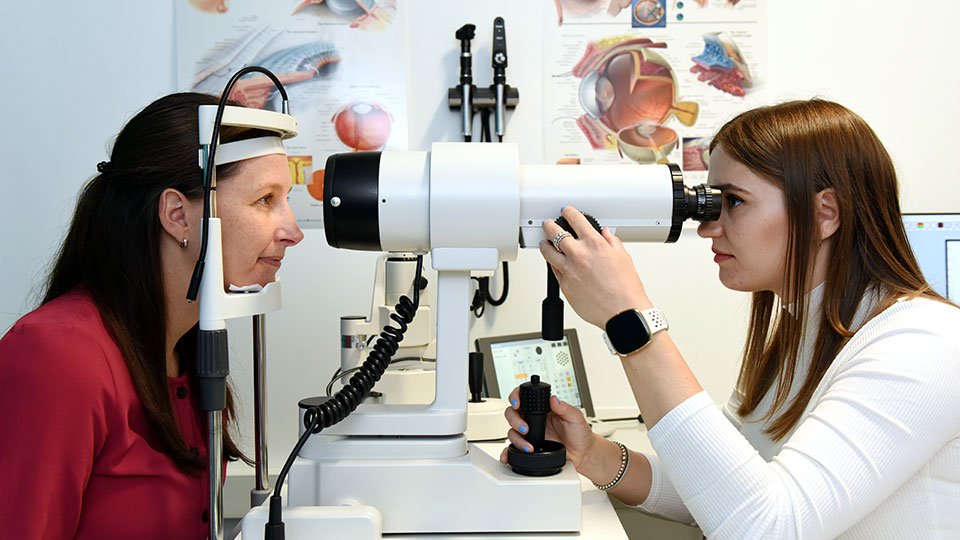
[
  {"x": 733, "y": 201},
  {"x": 266, "y": 199}
]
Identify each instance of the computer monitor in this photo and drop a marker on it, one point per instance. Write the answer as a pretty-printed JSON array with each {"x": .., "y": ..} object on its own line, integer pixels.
[
  {"x": 509, "y": 361},
  {"x": 935, "y": 240}
]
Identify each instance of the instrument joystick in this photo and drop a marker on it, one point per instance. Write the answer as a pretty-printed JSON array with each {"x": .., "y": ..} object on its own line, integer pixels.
[{"x": 545, "y": 457}]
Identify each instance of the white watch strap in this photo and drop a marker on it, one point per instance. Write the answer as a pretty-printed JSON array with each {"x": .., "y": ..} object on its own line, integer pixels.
[
  {"x": 655, "y": 320},
  {"x": 606, "y": 340}
]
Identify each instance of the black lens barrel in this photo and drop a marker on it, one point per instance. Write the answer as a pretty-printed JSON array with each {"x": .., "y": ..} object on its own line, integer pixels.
[
  {"x": 702, "y": 203},
  {"x": 351, "y": 191}
]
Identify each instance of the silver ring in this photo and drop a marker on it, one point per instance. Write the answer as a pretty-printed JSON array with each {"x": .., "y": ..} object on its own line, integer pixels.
[{"x": 556, "y": 239}]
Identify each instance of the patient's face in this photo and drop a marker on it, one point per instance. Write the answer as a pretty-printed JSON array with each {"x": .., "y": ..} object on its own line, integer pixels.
[{"x": 257, "y": 223}]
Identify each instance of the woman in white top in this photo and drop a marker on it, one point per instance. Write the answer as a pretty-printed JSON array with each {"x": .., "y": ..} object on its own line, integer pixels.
[{"x": 845, "y": 421}]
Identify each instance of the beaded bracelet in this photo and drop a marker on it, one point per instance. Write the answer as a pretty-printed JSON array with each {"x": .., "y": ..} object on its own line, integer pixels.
[{"x": 624, "y": 465}]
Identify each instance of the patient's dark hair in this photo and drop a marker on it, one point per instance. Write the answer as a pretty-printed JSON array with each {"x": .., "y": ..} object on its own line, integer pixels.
[{"x": 112, "y": 250}]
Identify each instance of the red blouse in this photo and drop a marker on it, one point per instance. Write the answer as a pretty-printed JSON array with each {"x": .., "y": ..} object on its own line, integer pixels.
[{"x": 75, "y": 452}]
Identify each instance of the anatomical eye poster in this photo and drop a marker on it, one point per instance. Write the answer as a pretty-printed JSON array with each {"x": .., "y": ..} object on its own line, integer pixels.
[
  {"x": 649, "y": 81},
  {"x": 326, "y": 53}
]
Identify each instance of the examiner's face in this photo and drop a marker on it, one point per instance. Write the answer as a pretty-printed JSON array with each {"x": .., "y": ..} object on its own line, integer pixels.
[
  {"x": 258, "y": 225},
  {"x": 750, "y": 238}
]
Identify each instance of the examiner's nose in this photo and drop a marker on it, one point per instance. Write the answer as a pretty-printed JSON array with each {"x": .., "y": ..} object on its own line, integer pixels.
[{"x": 709, "y": 229}]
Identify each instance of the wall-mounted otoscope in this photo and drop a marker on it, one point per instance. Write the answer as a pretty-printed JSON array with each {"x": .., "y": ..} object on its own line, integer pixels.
[
  {"x": 465, "y": 33},
  {"x": 499, "y": 73},
  {"x": 498, "y": 97}
]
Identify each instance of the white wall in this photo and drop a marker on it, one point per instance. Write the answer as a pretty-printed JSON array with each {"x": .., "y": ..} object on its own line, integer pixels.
[{"x": 77, "y": 71}]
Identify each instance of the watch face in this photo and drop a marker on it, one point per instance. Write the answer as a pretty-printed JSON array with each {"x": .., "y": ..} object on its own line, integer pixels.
[{"x": 628, "y": 331}]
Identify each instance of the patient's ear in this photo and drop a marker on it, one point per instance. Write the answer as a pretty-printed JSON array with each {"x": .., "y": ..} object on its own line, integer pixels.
[
  {"x": 175, "y": 211},
  {"x": 827, "y": 212}
]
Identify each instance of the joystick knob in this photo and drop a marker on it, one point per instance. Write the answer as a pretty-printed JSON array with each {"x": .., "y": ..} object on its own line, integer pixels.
[
  {"x": 546, "y": 457},
  {"x": 535, "y": 404}
]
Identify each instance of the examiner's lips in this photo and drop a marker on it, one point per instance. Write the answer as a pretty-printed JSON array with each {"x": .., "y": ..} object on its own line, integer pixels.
[
  {"x": 272, "y": 261},
  {"x": 720, "y": 256}
]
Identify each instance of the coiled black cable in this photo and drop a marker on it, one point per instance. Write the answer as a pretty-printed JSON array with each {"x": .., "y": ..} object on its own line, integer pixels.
[
  {"x": 360, "y": 384},
  {"x": 349, "y": 397}
]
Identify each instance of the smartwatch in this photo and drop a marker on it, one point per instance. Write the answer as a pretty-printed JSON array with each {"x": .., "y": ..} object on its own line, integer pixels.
[{"x": 631, "y": 330}]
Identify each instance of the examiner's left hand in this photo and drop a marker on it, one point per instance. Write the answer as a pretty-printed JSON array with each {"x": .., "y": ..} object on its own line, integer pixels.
[{"x": 595, "y": 272}]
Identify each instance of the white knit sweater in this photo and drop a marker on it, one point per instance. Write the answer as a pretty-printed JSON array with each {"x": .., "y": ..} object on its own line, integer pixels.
[{"x": 875, "y": 455}]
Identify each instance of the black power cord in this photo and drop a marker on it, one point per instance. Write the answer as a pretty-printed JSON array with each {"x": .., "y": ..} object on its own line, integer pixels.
[
  {"x": 349, "y": 397},
  {"x": 274, "y": 529},
  {"x": 482, "y": 296}
]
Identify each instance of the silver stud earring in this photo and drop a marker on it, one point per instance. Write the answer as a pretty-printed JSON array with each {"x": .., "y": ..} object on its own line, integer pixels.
[{"x": 183, "y": 244}]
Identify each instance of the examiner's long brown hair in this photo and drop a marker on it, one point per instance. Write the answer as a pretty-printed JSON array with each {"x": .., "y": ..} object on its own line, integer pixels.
[
  {"x": 112, "y": 250},
  {"x": 805, "y": 147}
]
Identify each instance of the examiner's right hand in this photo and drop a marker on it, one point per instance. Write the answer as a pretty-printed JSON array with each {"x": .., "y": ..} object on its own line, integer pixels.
[{"x": 566, "y": 424}]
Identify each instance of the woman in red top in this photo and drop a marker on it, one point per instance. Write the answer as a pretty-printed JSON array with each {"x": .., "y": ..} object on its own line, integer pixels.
[{"x": 102, "y": 435}]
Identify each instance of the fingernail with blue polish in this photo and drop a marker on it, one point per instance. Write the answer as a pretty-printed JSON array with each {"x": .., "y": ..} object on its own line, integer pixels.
[
  {"x": 523, "y": 430},
  {"x": 513, "y": 402},
  {"x": 526, "y": 449},
  {"x": 562, "y": 207}
]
